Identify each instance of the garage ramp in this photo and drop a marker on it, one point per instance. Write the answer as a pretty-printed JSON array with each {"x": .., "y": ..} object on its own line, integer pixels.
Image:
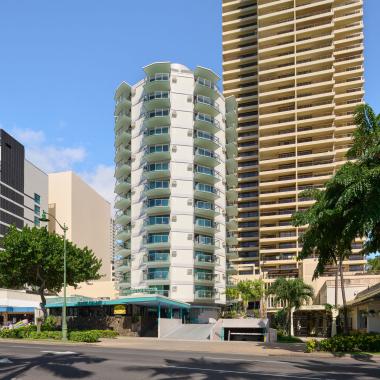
[{"x": 190, "y": 332}]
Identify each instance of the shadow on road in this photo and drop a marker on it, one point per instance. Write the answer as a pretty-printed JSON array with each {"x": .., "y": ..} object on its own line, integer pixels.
[{"x": 62, "y": 366}]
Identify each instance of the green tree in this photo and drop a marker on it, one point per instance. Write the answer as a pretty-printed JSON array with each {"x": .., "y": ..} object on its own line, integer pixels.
[
  {"x": 33, "y": 257},
  {"x": 250, "y": 290},
  {"x": 349, "y": 207},
  {"x": 232, "y": 294},
  {"x": 292, "y": 294},
  {"x": 374, "y": 264}
]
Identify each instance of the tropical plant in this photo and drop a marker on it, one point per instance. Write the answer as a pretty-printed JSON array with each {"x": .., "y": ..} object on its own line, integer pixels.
[
  {"x": 250, "y": 290},
  {"x": 349, "y": 207},
  {"x": 292, "y": 293},
  {"x": 33, "y": 258},
  {"x": 374, "y": 263},
  {"x": 232, "y": 294}
]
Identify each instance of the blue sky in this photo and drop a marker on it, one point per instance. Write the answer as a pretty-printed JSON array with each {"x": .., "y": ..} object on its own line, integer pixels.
[{"x": 62, "y": 60}]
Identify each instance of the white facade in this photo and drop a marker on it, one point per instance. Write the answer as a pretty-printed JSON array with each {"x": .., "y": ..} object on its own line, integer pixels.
[
  {"x": 171, "y": 183},
  {"x": 36, "y": 193}
]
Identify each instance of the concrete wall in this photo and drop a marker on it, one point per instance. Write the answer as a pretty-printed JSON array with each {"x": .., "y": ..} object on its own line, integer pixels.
[
  {"x": 85, "y": 212},
  {"x": 16, "y": 298},
  {"x": 93, "y": 289},
  {"x": 168, "y": 325},
  {"x": 35, "y": 181}
]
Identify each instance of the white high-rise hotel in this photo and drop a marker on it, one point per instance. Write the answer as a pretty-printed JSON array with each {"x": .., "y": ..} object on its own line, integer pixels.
[{"x": 175, "y": 175}]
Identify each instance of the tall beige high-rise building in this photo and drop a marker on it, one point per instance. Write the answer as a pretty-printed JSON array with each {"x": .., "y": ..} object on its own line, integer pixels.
[
  {"x": 86, "y": 213},
  {"x": 296, "y": 70}
]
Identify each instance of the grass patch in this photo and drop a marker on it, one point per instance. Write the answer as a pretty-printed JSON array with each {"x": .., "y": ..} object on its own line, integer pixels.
[{"x": 288, "y": 339}]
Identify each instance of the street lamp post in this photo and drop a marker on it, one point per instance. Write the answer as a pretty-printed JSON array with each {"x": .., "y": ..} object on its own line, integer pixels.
[{"x": 64, "y": 228}]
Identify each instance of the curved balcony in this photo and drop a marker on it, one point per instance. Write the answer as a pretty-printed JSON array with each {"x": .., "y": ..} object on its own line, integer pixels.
[
  {"x": 122, "y": 105},
  {"x": 232, "y": 180},
  {"x": 205, "y": 104},
  {"x": 157, "y": 82},
  {"x": 206, "y": 209},
  {"x": 123, "y": 169},
  {"x": 157, "y": 189},
  {"x": 124, "y": 282},
  {"x": 232, "y": 210},
  {"x": 157, "y": 241},
  {"x": 231, "y": 270},
  {"x": 122, "y": 137},
  {"x": 206, "y": 87},
  {"x": 157, "y": 170},
  {"x": 204, "y": 261},
  {"x": 123, "y": 265},
  {"x": 158, "y": 135},
  {"x": 123, "y": 251},
  {"x": 124, "y": 89},
  {"x": 157, "y": 223},
  {"x": 204, "y": 295},
  {"x": 123, "y": 185},
  {"x": 123, "y": 219},
  {"x": 157, "y": 206},
  {"x": 158, "y": 277},
  {"x": 157, "y": 99},
  {"x": 205, "y": 243},
  {"x": 232, "y": 225},
  {"x": 231, "y": 240},
  {"x": 206, "y": 278},
  {"x": 123, "y": 234},
  {"x": 231, "y": 134},
  {"x": 157, "y": 259},
  {"x": 156, "y": 153},
  {"x": 206, "y": 140},
  {"x": 122, "y": 153},
  {"x": 157, "y": 117},
  {"x": 205, "y": 226},
  {"x": 206, "y": 157},
  {"x": 205, "y": 192},
  {"x": 231, "y": 165},
  {"x": 123, "y": 122},
  {"x": 232, "y": 195},
  {"x": 206, "y": 123},
  {"x": 231, "y": 149},
  {"x": 206, "y": 175},
  {"x": 122, "y": 203},
  {"x": 232, "y": 254}
]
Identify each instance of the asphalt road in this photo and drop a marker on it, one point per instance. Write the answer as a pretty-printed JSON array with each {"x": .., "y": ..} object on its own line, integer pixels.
[{"x": 19, "y": 361}]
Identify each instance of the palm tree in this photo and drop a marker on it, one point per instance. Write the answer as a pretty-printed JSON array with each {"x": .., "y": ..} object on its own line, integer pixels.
[
  {"x": 349, "y": 207},
  {"x": 292, "y": 293},
  {"x": 250, "y": 290}
]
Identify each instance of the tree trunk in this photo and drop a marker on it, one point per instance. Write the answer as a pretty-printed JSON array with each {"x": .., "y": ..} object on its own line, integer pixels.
[
  {"x": 289, "y": 320},
  {"x": 43, "y": 302},
  {"x": 345, "y": 314},
  {"x": 336, "y": 287}
]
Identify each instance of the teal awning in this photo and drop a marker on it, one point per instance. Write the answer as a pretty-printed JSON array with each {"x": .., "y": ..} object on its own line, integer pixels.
[{"x": 142, "y": 300}]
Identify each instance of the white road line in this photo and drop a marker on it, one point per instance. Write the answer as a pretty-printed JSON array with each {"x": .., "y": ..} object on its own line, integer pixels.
[
  {"x": 60, "y": 352},
  {"x": 247, "y": 360},
  {"x": 247, "y": 373}
]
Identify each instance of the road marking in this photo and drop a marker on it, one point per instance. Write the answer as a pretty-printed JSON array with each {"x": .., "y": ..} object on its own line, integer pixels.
[
  {"x": 5, "y": 361},
  {"x": 59, "y": 352},
  {"x": 247, "y": 373},
  {"x": 247, "y": 360}
]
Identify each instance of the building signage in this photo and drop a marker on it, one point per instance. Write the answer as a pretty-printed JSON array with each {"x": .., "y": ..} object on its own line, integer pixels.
[{"x": 119, "y": 310}]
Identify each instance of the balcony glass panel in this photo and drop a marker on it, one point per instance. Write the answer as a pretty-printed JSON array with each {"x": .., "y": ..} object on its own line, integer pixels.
[
  {"x": 158, "y": 185},
  {"x": 206, "y": 118},
  {"x": 154, "y": 274},
  {"x": 159, "y": 77},
  {"x": 156, "y": 95},
  {"x": 206, "y": 153},
  {"x": 203, "y": 222},
  {"x": 158, "y": 113},
  {"x": 158, "y": 148},
  {"x": 204, "y": 170},
  {"x": 158, "y": 202},
  {"x": 158, "y": 131},
  {"x": 206, "y": 136},
  {"x": 160, "y": 219},
  {"x": 206, "y": 188},
  {"x": 204, "y": 205},
  {"x": 158, "y": 238},
  {"x": 203, "y": 257},
  {"x": 158, "y": 256},
  {"x": 158, "y": 166},
  {"x": 204, "y": 239},
  {"x": 206, "y": 83}
]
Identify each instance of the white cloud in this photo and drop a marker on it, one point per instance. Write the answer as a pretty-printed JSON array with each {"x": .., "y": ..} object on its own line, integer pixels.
[
  {"x": 102, "y": 180},
  {"x": 47, "y": 156}
]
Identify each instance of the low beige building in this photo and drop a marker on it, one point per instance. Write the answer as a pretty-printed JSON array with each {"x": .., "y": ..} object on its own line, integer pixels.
[{"x": 86, "y": 213}]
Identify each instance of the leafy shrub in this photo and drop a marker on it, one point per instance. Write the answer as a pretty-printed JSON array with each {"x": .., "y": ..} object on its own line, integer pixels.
[
  {"x": 55, "y": 335},
  {"x": 106, "y": 333},
  {"x": 8, "y": 333},
  {"x": 347, "y": 343},
  {"x": 88, "y": 336},
  {"x": 311, "y": 345},
  {"x": 50, "y": 323},
  {"x": 288, "y": 339}
]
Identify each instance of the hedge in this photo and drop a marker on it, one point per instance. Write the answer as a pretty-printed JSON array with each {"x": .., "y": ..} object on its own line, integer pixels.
[
  {"x": 346, "y": 343},
  {"x": 30, "y": 332}
]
